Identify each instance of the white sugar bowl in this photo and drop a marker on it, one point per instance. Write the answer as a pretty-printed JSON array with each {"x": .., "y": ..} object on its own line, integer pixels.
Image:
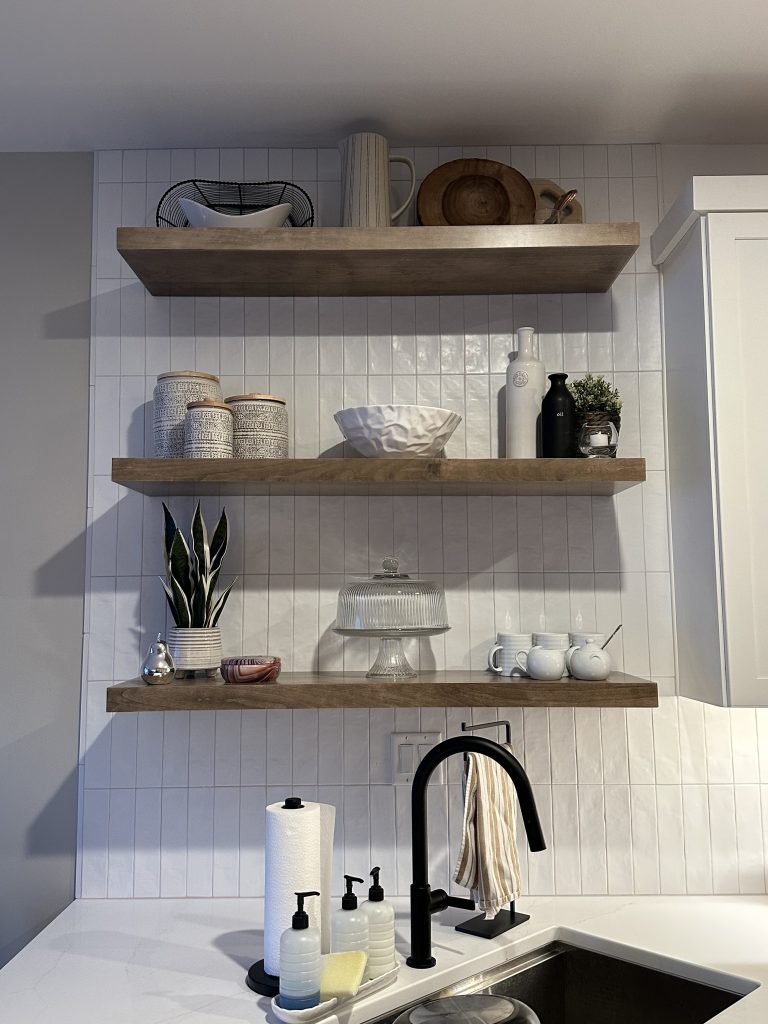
[
  {"x": 589, "y": 662},
  {"x": 542, "y": 662}
]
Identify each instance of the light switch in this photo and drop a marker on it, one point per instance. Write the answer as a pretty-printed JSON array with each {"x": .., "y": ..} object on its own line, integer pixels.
[
  {"x": 405, "y": 763},
  {"x": 407, "y": 750}
]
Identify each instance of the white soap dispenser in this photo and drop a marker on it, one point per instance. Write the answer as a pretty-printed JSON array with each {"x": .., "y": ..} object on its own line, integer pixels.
[
  {"x": 381, "y": 930},
  {"x": 349, "y": 926},
  {"x": 526, "y": 386},
  {"x": 300, "y": 962}
]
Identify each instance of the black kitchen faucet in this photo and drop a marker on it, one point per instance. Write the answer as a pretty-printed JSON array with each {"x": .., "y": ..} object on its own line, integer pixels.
[{"x": 425, "y": 901}]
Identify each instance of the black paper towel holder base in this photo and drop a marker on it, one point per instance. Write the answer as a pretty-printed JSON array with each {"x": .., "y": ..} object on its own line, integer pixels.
[{"x": 259, "y": 981}]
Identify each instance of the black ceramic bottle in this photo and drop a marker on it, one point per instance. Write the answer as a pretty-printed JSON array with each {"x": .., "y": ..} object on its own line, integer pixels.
[{"x": 558, "y": 420}]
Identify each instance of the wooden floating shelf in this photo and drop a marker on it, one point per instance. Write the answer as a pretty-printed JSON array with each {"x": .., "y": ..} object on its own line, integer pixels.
[
  {"x": 353, "y": 690},
  {"x": 379, "y": 261},
  {"x": 378, "y": 476}
]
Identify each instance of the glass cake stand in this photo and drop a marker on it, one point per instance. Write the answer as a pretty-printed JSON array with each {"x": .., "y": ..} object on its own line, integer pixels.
[{"x": 391, "y": 606}]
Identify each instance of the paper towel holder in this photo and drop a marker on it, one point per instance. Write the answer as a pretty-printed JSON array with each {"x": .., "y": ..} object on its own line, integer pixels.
[{"x": 257, "y": 978}]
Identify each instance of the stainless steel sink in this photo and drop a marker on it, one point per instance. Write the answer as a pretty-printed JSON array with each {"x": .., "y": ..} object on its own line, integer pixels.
[{"x": 565, "y": 984}]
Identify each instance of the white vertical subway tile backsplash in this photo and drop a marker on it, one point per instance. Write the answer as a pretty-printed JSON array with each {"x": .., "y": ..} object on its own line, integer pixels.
[{"x": 672, "y": 800}]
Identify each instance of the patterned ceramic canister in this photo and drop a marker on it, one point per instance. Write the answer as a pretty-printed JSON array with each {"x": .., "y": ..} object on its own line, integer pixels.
[
  {"x": 173, "y": 393},
  {"x": 208, "y": 430},
  {"x": 261, "y": 427}
]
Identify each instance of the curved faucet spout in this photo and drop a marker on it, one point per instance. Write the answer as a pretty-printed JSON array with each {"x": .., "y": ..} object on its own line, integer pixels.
[{"x": 424, "y": 903}]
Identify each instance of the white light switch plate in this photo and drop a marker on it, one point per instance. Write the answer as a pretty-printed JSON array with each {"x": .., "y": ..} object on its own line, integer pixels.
[{"x": 407, "y": 750}]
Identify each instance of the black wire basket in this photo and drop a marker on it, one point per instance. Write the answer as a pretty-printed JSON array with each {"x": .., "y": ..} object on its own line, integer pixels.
[{"x": 236, "y": 198}]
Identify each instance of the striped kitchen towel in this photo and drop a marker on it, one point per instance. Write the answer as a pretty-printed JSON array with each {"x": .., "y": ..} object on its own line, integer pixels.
[{"x": 488, "y": 863}]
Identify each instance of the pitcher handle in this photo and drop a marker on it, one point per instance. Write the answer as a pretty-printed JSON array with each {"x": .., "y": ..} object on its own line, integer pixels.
[
  {"x": 522, "y": 664},
  {"x": 404, "y": 160},
  {"x": 492, "y": 659},
  {"x": 568, "y": 655}
]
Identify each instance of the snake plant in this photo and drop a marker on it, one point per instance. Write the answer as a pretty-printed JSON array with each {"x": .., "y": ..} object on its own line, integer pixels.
[{"x": 192, "y": 570}]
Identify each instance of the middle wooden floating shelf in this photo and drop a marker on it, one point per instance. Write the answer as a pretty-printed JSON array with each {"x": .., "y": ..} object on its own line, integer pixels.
[
  {"x": 353, "y": 690},
  {"x": 378, "y": 476}
]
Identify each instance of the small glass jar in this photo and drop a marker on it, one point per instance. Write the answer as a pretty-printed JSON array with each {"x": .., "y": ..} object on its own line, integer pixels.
[{"x": 599, "y": 440}]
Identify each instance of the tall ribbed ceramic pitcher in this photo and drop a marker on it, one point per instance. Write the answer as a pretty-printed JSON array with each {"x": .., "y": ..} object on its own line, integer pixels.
[{"x": 365, "y": 184}]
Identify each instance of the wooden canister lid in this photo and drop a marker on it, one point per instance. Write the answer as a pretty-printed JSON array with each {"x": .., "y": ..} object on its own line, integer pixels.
[
  {"x": 208, "y": 403},
  {"x": 255, "y": 397},
  {"x": 187, "y": 373}
]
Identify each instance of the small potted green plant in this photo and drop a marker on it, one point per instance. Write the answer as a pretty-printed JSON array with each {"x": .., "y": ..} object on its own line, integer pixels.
[
  {"x": 597, "y": 402},
  {"x": 191, "y": 574}
]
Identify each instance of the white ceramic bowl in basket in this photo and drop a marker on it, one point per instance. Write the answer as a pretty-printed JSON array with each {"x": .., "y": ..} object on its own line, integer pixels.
[
  {"x": 201, "y": 216},
  {"x": 397, "y": 431}
]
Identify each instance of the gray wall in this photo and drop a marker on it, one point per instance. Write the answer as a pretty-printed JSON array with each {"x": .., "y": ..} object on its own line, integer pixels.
[
  {"x": 45, "y": 250},
  {"x": 681, "y": 162}
]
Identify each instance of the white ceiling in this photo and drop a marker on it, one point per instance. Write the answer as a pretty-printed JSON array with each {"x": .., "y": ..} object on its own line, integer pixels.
[{"x": 93, "y": 74}]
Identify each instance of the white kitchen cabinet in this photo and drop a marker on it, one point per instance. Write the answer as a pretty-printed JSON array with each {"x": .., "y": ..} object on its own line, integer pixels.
[{"x": 712, "y": 249}]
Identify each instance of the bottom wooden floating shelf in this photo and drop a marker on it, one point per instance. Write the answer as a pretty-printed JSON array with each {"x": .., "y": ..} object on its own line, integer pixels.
[{"x": 353, "y": 690}]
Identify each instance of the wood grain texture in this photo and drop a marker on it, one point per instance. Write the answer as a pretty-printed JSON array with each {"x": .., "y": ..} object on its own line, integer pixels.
[
  {"x": 379, "y": 261},
  {"x": 384, "y": 476},
  {"x": 353, "y": 690},
  {"x": 474, "y": 191}
]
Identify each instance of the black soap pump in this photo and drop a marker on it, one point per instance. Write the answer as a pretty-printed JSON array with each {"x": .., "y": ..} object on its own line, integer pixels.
[
  {"x": 349, "y": 926},
  {"x": 381, "y": 930},
  {"x": 300, "y": 961}
]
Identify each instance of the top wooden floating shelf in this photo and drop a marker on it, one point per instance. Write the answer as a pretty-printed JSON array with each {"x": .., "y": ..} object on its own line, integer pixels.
[
  {"x": 378, "y": 476},
  {"x": 379, "y": 261}
]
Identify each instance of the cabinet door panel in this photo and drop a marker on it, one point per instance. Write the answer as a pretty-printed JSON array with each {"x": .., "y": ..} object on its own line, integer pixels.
[
  {"x": 693, "y": 511},
  {"x": 738, "y": 252}
]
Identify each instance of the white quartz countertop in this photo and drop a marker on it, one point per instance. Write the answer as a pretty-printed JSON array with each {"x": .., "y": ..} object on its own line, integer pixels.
[{"x": 151, "y": 961}]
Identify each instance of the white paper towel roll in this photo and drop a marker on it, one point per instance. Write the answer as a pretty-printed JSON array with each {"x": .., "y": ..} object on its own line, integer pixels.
[
  {"x": 327, "y": 825},
  {"x": 294, "y": 857}
]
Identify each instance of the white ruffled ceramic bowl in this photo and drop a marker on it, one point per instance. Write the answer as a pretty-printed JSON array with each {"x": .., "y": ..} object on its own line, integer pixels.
[
  {"x": 201, "y": 216},
  {"x": 397, "y": 431}
]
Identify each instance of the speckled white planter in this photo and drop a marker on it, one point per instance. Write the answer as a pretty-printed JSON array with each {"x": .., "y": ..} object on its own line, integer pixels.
[
  {"x": 195, "y": 650},
  {"x": 173, "y": 393},
  {"x": 208, "y": 430},
  {"x": 260, "y": 427}
]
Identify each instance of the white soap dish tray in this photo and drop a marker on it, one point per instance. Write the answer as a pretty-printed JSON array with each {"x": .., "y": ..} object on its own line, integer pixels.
[{"x": 322, "y": 1010}]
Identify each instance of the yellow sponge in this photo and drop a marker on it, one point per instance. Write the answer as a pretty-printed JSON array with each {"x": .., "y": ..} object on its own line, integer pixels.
[{"x": 342, "y": 975}]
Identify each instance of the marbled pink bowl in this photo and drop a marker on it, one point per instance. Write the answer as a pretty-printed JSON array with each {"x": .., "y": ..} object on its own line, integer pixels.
[{"x": 255, "y": 668}]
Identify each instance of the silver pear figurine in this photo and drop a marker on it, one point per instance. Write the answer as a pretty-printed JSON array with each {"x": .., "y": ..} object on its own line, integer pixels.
[{"x": 158, "y": 665}]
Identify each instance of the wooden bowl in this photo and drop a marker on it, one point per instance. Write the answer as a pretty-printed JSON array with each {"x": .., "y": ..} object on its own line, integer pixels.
[
  {"x": 256, "y": 668},
  {"x": 474, "y": 192}
]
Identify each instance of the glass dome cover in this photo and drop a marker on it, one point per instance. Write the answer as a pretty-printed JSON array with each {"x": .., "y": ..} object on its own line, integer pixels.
[{"x": 391, "y": 605}]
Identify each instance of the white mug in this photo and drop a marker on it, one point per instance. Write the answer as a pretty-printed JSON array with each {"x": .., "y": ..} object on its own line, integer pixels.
[
  {"x": 508, "y": 645},
  {"x": 365, "y": 184},
  {"x": 541, "y": 663}
]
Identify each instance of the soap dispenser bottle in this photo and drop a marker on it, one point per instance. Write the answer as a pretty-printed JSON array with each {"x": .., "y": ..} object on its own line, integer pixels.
[
  {"x": 349, "y": 926},
  {"x": 300, "y": 963},
  {"x": 381, "y": 930},
  {"x": 526, "y": 384}
]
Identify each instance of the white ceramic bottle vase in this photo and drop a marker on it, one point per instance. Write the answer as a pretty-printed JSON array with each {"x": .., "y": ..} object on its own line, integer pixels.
[{"x": 526, "y": 386}]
